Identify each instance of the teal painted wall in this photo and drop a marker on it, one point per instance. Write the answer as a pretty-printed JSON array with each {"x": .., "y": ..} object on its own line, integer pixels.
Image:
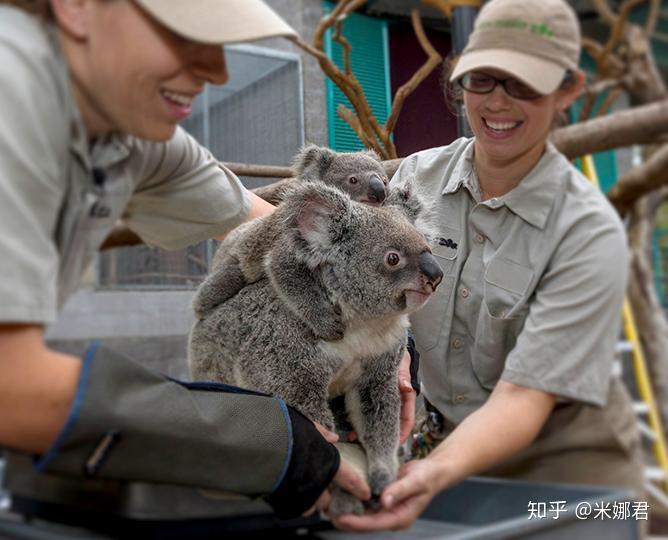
[{"x": 369, "y": 62}]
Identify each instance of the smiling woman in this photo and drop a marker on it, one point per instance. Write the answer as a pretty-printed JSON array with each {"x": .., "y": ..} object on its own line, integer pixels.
[
  {"x": 91, "y": 94},
  {"x": 517, "y": 345}
]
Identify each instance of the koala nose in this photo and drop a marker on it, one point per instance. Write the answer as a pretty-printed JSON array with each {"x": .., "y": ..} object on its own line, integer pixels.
[
  {"x": 377, "y": 190},
  {"x": 430, "y": 269}
]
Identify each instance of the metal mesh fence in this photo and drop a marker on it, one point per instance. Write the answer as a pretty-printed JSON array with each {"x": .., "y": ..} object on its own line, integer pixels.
[{"x": 255, "y": 118}]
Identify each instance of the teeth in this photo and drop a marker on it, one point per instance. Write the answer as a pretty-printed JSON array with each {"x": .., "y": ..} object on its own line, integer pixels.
[
  {"x": 502, "y": 126},
  {"x": 186, "y": 101}
]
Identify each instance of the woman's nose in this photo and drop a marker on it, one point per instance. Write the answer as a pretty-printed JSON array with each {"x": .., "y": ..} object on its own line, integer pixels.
[
  {"x": 498, "y": 99},
  {"x": 208, "y": 63}
]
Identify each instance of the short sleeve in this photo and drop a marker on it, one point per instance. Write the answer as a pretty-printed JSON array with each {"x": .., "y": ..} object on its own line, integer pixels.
[
  {"x": 184, "y": 194},
  {"x": 33, "y": 139},
  {"x": 568, "y": 341}
]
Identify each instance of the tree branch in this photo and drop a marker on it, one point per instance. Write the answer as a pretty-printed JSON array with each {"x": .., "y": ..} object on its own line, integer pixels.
[
  {"x": 605, "y": 12},
  {"x": 638, "y": 125},
  {"x": 652, "y": 17},
  {"x": 640, "y": 180}
]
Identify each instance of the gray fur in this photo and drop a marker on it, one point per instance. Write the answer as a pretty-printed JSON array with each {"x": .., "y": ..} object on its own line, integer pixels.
[
  {"x": 241, "y": 258},
  {"x": 377, "y": 268},
  {"x": 360, "y": 174}
]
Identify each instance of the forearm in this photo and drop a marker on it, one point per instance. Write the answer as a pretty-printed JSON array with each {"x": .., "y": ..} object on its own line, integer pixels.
[
  {"x": 37, "y": 388},
  {"x": 508, "y": 422}
]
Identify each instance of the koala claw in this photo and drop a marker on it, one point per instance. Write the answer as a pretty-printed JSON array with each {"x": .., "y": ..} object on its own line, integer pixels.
[
  {"x": 344, "y": 503},
  {"x": 378, "y": 480}
]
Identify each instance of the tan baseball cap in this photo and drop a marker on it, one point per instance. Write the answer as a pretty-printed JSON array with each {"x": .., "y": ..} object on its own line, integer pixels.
[
  {"x": 535, "y": 42},
  {"x": 219, "y": 21}
]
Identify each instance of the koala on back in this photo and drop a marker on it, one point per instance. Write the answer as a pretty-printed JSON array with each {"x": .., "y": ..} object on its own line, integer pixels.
[
  {"x": 360, "y": 174},
  {"x": 377, "y": 268},
  {"x": 241, "y": 257}
]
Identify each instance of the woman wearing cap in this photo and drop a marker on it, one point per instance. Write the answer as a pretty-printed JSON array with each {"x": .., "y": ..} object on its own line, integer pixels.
[
  {"x": 518, "y": 343},
  {"x": 91, "y": 92}
]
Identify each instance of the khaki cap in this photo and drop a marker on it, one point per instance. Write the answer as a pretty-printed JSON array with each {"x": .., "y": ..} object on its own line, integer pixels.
[
  {"x": 536, "y": 42},
  {"x": 219, "y": 21}
]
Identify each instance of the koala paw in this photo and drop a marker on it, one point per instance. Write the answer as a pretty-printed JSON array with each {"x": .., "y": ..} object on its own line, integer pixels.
[
  {"x": 344, "y": 503},
  {"x": 330, "y": 326},
  {"x": 378, "y": 479}
]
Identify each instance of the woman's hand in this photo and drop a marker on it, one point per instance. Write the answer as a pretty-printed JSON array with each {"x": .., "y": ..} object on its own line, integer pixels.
[
  {"x": 345, "y": 477},
  {"x": 401, "y": 502},
  {"x": 407, "y": 419}
]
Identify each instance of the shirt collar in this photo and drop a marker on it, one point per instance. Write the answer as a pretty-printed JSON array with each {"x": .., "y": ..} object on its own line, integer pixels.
[
  {"x": 462, "y": 173},
  {"x": 531, "y": 199}
]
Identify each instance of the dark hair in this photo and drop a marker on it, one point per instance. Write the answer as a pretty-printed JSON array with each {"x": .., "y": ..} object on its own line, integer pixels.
[
  {"x": 40, "y": 8},
  {"x": 452, "y": 92}
]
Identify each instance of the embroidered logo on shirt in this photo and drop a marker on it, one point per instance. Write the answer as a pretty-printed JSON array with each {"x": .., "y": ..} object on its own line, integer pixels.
[{"x": 447, "y": 242}]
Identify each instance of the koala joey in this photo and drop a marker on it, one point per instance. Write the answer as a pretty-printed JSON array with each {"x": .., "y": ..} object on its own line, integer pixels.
[
  {"x": 242, "y": 256},
  {"x": 360, "y": 174},
  {"x": 372, "y": 263}
]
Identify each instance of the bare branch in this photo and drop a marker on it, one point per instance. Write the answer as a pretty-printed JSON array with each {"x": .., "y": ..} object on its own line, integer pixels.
[
  {"x": 269, "y": 171},
  {"x": 434, "y": 59},
  {"x": 354, "y": 122},
  {"x": 593, "y": 48},
  {"x": 445, "y": 6},
  {"x": 608, "y": 101},
  {"x": 618, "y": 26},
  {"x": 338, "y": 37},
  {"x": 638, "y": 125},
  {"x": 604, "y": 11},
  {"x": 601, "y": 86},
  {"x": 652, "y": 17},
  {"x": 647, "y": 177},
  {"x": 345, "y": 45}
]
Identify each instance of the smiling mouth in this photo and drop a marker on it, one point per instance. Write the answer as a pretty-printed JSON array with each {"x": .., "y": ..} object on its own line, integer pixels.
[
  {"x": 501, "y": 127},
  {"x": 182, "y": 100}
]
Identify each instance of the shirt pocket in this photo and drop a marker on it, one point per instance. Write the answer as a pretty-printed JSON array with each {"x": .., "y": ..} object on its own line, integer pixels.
[
  {"x": 503, "y": 311},
  {"x": 428, "y": 323}
]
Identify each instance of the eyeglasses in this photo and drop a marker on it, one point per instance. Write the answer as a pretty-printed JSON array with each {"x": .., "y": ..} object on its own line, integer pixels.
[{"x": 481, "y": 83}]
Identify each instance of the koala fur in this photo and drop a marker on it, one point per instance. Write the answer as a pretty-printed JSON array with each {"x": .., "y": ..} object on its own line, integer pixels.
[
  {"x": 360, "y": 174},
  {"x": 241, "y": 257},
  {"x": 373, "y": 264}
]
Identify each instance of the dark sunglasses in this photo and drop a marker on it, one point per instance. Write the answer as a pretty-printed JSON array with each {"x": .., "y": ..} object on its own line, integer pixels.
[{"x": 481, "y": 83}]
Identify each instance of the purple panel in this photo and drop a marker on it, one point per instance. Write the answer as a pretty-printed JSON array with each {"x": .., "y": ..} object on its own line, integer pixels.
[{"x": 425, "y": 121}]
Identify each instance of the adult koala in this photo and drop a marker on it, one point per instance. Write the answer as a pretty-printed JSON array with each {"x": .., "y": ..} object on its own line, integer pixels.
[
  {"x": 241, "y": 258},
  {"x": 371, "y": 263},
  {"x": 360, "y": 174}
]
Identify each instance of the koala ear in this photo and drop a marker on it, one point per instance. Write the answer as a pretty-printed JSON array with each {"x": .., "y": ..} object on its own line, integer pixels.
[
  {"x": 373, "y": 155},
  {"x": 312, "y": 162},
  {"x": 323, "y": 216},
  {"x": 404, "y": 199}
]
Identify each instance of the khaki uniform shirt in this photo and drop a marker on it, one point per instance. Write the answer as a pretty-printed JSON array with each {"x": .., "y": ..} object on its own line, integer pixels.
[
  {"x": 60, "y": 196},
  {"x": 532, "y": 289}
]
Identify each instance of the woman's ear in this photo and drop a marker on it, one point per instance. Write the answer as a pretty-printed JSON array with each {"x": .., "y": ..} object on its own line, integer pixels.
[
  {"x": 569, "y": 92},
  {"x": 72, "y": 17}
]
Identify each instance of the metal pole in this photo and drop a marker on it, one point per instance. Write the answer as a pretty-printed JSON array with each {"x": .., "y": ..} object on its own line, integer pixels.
[{"x": 462, "y": 26}]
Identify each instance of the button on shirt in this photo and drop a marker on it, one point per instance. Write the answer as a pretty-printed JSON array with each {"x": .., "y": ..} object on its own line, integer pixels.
[
  {"x": 60, "y": 196},
  {"x": 533, "y": 282}
]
